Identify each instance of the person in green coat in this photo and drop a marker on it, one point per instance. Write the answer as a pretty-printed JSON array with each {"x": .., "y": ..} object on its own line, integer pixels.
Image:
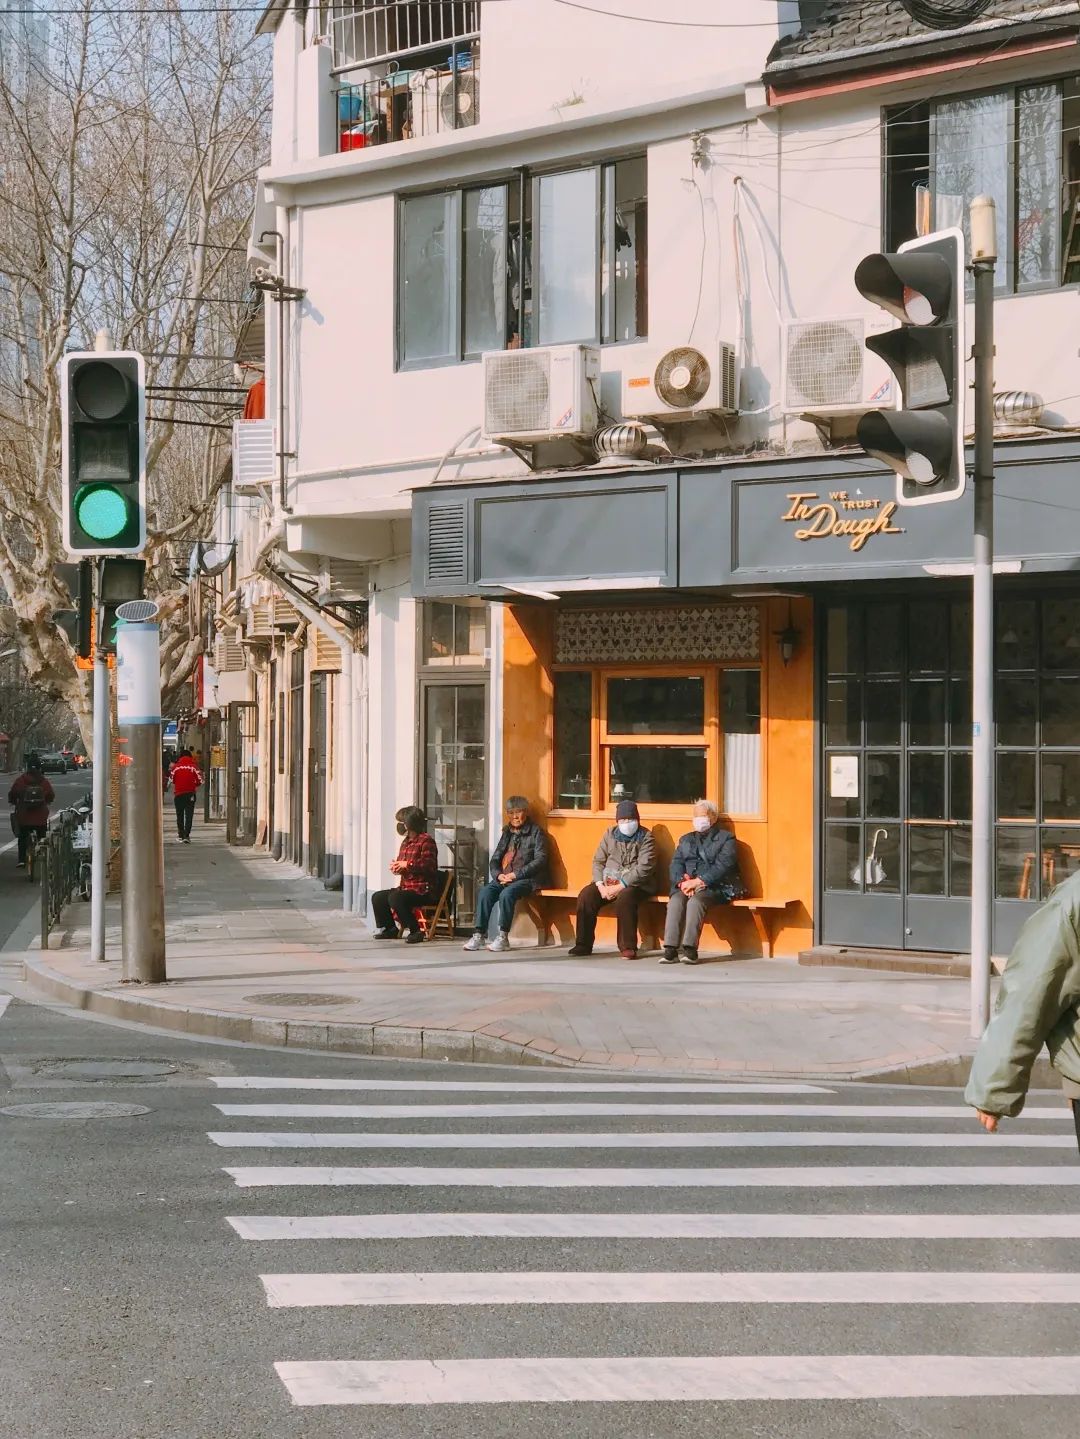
[{"x": 1038, "y": 1003}]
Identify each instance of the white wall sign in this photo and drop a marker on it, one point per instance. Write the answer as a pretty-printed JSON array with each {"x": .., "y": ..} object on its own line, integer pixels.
[
  {"x": 138, "y": 674},
  {"x": 844, "y": 776}
]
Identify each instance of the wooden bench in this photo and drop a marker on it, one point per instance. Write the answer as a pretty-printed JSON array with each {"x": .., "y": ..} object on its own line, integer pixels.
[{"x": 763, "y": 911}]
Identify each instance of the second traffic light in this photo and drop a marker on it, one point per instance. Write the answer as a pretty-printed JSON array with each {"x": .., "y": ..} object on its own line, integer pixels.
[
  {"x": 104, "y": 452},
  {"x": 922, "y": 285}
]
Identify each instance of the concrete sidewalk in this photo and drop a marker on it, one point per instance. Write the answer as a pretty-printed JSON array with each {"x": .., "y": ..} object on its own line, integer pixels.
[{"x": 258, "y": 951}]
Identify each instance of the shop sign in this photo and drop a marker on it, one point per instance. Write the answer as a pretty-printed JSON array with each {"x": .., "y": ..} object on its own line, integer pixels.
[{"x": 856, "y": 518}]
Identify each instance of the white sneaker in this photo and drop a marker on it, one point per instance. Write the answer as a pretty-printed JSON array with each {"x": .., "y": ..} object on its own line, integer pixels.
[
  {"x": 499, "y": 943},
  {"x": 477, "y": 942}
]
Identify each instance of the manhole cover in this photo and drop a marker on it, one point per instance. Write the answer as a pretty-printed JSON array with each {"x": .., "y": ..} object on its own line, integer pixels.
[
  {"x": 316, "y": 1001},
  {"x": 109, "y": 1069},
  {"x": 85, "y": 1109}
]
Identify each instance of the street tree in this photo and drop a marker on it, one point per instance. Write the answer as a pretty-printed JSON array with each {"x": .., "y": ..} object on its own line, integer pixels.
[{"x": 129, "y": 144}]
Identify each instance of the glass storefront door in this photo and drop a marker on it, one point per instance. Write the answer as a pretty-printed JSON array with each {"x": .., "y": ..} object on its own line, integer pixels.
[{"x": 455, "y": 783}]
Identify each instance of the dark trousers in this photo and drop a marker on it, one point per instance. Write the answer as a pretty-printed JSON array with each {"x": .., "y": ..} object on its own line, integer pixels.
[
  {"x": 1076, "y": 1118},
  {"x": 25, "y": 831},
  {"x": 185, "y": 813},
  {"x": 625, "y": 907},
  {"x": 505, "y": 896},
  {"x": 397, "y": 906}
]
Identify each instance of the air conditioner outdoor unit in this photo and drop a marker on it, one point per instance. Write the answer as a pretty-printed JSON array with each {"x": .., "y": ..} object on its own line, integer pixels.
[
  {"x": 254, "y": 460},
  {"x": 442, "y": 100},
  {"x": 344, "y": 581},
  {"x": 826, "y": 369},
  {"x": 542, "y": 394},
  {"x": 683, "y": 383}
]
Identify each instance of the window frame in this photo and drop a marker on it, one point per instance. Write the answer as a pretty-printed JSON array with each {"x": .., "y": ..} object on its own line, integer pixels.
[
  {"x": 710, "y": 738},
  {"x": 1006, "y": 280},
  {"x": 528, "y": 181}
]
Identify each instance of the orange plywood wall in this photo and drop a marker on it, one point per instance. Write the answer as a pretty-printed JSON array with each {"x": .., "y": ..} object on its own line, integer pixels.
[{"x": 776, "y": 851}]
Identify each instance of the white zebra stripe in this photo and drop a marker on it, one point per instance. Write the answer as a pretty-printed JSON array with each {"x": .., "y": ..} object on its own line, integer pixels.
[
  {"x": 642, "y": 1379},
  {"x": 855, "y": 1176},
  {"x": 258, "y": 1227},
  {"x": 738, "y": 1287},
  {"x": 670, "y": 1139},
  {"x": 851, "y": 1112},
  {"x": 484, "y": 1086}
]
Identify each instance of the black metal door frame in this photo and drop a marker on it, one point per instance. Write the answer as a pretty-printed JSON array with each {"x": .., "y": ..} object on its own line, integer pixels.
[
  {"x": 295, "y": 751},
  {"x": 317, "y": 773},
  {"x": 242, "y": 772}
]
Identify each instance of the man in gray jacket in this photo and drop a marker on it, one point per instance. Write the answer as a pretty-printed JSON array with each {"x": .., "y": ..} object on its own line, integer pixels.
[
  {"x": 623, "y": 868},
  {"x": 1038, "y": 1003}
]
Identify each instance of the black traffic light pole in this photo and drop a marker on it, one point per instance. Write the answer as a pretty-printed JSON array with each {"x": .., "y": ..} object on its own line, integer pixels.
[{"x": 983, "y": 261}]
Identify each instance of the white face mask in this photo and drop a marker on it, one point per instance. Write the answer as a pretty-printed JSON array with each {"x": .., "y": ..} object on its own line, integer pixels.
[
  {"x": 628, "y": 827},
  {"x": 701, "y": 823}
]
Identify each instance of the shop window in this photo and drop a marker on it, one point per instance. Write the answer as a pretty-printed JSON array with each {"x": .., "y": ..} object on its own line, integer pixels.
[
  {"x": 1020, "y": 145},
  {"x": 539, "y": 260},
  {"x": 455, "y": 634},
  {"x": 656, "y": 705},
  {"x": 573, "y": 740}
]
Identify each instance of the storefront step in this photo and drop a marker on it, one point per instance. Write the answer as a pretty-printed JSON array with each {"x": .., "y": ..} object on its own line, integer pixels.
[{"x": 954, "y": 966}]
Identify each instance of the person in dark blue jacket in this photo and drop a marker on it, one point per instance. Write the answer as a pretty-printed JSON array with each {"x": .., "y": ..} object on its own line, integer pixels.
[
  {"x": 704, "y": 872},
  {"x": 518, "y": 867}
]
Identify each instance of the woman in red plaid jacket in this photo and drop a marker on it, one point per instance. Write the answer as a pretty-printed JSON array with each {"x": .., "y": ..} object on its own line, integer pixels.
[{"x": 418, "y": 865}]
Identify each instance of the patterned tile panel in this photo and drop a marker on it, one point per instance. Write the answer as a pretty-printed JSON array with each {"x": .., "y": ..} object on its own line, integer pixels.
[{"x": 676, "y": 633}]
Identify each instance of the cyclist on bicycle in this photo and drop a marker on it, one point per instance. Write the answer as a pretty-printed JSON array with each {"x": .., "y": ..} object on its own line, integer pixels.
[{"x": 31, "y": 794}]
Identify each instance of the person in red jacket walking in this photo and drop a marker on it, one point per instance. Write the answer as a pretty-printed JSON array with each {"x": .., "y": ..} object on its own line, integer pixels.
[
  {"x": 31, "y": 794},
  {"x": 185, "y": 777}
]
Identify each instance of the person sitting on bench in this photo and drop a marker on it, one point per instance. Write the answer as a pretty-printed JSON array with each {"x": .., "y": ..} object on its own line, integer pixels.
[
  {"x": 704, "y": 872},
  {"x": 518, "y": 867},
  {"x": 417, "y": 864},
  {"x": 622, "y": 877}
]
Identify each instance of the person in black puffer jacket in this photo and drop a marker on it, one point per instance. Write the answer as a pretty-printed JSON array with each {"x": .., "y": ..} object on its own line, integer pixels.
[{"x": 704, "y": 872}]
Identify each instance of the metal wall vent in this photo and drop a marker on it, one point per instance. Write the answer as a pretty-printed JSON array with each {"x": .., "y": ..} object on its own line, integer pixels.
[
  {"x": 446, "y": 543},
  {"x": 253, "y": 459}
]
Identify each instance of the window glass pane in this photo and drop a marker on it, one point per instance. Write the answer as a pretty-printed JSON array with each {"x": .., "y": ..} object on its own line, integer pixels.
[
  {"x": 960, "y": 712},
  {"x": 1070, "y": 151},
  {"x": 907, "y": 173},
  {"x": 843, "y": 857},
  {"x": 1060, "y": 856},
  {"x": 883, "y": 712},
  {"x": 626, "y": 235},
  {"x": 484, "y": 242},
  {"x": 926, "y": 859},
  {"x": 654, "y": 774},
  {"x": 573, "y": 741},
  {"x": 972, "y": 158},
  {"x": 427, "y": 278},
  {"x": 1061, "y": 711},
  {"x": 1016, "y": 702},
  {"x": 960, "y": 863},
  {"x": 843, "y": 640},
  {"x": 1060, "y": 785},
  {"x": 1061, "y": 634},
  {"x": 928, "y": 635},
  {"x": 438, "y": 646},
  {"x": 1016, "y": 638},
  {"x": 926, "y": 786},
  {"x": 844, "y": 806},
  {"x": 740, "y": 698},
  {"x": 882, "y": 786},
  {"x": 567, "y": 236},
  {"x": 842, "y": 712},
  {"x": 470, "y": 633},
  {"x": 960, "y": 637},
  {"x": 1015, "y": 785},
  {"x": 926, "y": 722},
  {"x": 884, "y": 639},
  {"x": 656, "y": 704},
  {"x": 960, "y": 786},
  {"x": 1017, "y": 873},
  {"x": 881, "y": 862},
  {"x": 1038, "y": 147}
]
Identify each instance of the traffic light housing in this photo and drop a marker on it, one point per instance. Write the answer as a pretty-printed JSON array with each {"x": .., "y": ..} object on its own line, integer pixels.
[
  {"x": 77, "y": 623},
  {"x": 103, "y": 411},
  {"x": 922, "y": 440},
  {"x": 121, "y": 580}
]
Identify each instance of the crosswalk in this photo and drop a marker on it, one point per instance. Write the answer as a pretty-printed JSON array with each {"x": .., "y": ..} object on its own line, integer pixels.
[{"x": 663, "y": 1209}]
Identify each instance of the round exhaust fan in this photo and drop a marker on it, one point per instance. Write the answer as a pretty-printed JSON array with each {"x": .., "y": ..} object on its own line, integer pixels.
[
  {"x": 460, "y": 101},
  {"x": 682, "y": 378},
  {"x": 945, "y": 14}
]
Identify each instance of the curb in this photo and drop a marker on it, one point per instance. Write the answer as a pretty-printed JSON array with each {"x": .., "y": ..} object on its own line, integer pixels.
[{"x": 389, "y": 1041}]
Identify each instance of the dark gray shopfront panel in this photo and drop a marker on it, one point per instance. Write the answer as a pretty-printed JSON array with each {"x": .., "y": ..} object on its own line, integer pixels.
[{"x": 577, "y": 535}]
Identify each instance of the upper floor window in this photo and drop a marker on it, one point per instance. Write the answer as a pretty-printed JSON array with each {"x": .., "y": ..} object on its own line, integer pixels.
[
  {"x": 539, "y": 260},
  {"x": 1022, "y": 146}
]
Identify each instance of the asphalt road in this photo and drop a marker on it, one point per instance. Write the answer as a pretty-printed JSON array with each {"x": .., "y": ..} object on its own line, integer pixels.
[
  {"x": 17, "y": 896},
  {"x": 164, "y": 1279}
]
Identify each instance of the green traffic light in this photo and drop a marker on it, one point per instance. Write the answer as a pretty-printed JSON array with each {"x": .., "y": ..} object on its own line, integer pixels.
[{"x": 102, "y": 512}]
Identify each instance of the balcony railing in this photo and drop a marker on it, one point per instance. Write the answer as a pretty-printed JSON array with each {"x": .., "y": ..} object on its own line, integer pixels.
[
  {"x": 375, "y": 32},
  {"x": 411, "y": 104}
]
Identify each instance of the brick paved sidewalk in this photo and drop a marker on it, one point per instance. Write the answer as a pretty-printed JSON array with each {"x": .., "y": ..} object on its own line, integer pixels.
[{"x": 258, "y": 951}]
